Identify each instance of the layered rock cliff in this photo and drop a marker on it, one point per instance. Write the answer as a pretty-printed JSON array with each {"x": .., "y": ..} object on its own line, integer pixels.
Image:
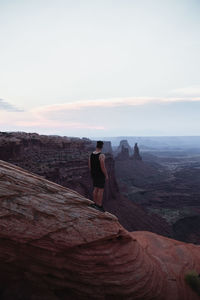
[{"x": 53, "y": 245}]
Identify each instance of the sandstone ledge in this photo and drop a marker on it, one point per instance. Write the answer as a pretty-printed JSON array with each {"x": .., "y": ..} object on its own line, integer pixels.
[{"x": 54, "y": 246}]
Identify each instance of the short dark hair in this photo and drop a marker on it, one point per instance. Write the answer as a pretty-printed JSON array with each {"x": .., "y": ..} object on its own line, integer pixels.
[{"x": 99, "y": 144}]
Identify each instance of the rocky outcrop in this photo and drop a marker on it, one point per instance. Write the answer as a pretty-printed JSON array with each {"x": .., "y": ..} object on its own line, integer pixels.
[
  {"x": 125, "y": 144},
  {"x": 136, "y": 154},
  {"x": 53, "y": 245},
  {"x": 124, "y": 150}
]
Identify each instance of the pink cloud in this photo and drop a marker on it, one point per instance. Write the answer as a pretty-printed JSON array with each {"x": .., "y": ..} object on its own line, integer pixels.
[
  {"x": 78, "y": 115},
  {"x": 55, "y": 124},
  {"x": 111, "y": 102},
  {"x": 32, "y": 119}
]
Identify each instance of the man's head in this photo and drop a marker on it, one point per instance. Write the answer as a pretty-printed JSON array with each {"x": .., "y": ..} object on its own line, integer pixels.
[{"x": 99, "y": 144}]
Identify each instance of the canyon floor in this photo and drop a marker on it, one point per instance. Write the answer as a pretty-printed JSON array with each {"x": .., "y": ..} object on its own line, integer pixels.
[{"x": 166, "y": 183}]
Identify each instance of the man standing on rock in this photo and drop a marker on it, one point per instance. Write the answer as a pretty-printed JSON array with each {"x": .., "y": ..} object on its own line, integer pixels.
[{"x": 99, "y": 175}]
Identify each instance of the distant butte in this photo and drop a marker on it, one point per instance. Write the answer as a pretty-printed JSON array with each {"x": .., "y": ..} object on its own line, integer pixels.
[
  {"x": 53, "y": 245},
  {"x": 136, "y": 154}
]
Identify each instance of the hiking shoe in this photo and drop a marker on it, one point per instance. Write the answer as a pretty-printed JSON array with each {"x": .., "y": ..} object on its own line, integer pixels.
[
  {"x": 92, "y": 205},
  {"x": 100, "y": 208}
]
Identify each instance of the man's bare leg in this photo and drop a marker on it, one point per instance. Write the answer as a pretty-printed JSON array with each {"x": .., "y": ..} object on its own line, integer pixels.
[
  {"x": 99, "y": 196},
  {"x": 95, "y": 194}
]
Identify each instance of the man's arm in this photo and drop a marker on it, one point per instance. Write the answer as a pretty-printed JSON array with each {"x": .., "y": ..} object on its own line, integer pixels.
[{"x": 102, "y": 164}]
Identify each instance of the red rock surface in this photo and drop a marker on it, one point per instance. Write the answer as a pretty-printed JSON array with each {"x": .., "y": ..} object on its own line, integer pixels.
[{"x": 54, "y": 246}]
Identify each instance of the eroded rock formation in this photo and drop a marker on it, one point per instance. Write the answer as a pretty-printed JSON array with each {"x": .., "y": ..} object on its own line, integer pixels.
[
  {"x": 136, "y": 153},
  {"x": 53, "y": 245},
  {"x": 125, "y": 144}
]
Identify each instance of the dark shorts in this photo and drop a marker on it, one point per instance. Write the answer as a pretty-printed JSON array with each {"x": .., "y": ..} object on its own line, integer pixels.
[{"x": 98, "y": 182}]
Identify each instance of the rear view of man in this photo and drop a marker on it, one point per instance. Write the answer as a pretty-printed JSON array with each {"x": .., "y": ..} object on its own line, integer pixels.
[{"x": 99, "y": 175}]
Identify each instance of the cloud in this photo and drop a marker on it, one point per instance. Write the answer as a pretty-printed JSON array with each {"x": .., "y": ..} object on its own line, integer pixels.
[
  {"x": 58, "y": 125},
  {"x": 187, "y": 91},
  {"x": 4, "y": 105},
  {"x": 105, "y": 116},
  {"x": 30, "y": 120},
  {"x": 90, "y": 114},
  {"x": 111, "y": 102}
]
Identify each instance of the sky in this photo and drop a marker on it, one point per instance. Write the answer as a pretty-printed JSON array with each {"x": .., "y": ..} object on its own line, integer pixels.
[{"x": 100, "y": 67}]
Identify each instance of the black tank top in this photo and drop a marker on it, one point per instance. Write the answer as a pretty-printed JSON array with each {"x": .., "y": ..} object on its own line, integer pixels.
[{"x": 95, "y": 165}]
